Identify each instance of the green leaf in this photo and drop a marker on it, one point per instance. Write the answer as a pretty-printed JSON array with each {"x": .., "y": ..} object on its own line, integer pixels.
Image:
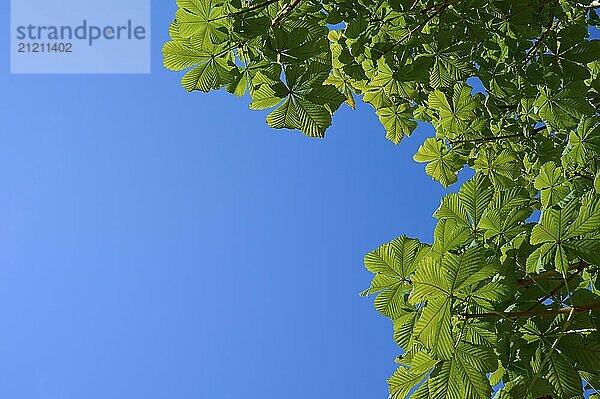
[
  {"x": 200, "y": 20},
  {"x": 456, "y": 118},
  {"x": 584, "y": 143},
  {"x": 406, "y": 379},
  {"x": 476, "y": 195},
  {"x": 464, "y": 376},
  {"x": 313, "y": 119},
  {"x": 397, "y": 121},
  {"x": 285, "y": 116},
  {"x": 550, "y": 182},
  {"x": 434, "y": 327},
  {"x": 449, "y": 235},
  {"x": 501, "y": 168},
  {"x": 442, "y": 165},
  {"x": 393, "y": 264},
  {"x": 453, "y": 208},
  {"x": 210, "y": 75},
  {"x": 179, "y": 56},
  {"x": 588, "y": 219},
  {"x": 563, "y": 377}
]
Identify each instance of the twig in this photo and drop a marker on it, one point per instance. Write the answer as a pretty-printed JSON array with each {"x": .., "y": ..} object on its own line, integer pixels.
[
  {"x": 247, "y": 9},
  {"x": 419, "y": 27},
  {"x": 534, "y": 313},
  {"x": 434, "y": 7},
  {"x": 556, "y": 289},
  {"x": 285, "y": 12},
  {"x": 525, "y": 282},
  {"x": 496, "y": 138},
  {"x": 486, "y": 139},
  {"x": 579, "y": 174},
  {"x": 549, "y": 26}
]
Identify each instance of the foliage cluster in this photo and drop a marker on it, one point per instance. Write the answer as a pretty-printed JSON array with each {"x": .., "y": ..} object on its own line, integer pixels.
[{"x": 508, "y": 293}]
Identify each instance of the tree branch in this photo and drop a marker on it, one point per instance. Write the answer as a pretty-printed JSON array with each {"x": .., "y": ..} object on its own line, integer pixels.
[
  {"x": 285, "y": 12},
  {"x": 549, "y": 27},
  {"x": 556, "y": 289},
  {"x": 256, "y": 6},
  {"x": 530, "y": 280},
  {"x": 533, "y": 313},
  {"x": 434, "y": 7},
  {"x": 487, "y": 139},
  {"x": 247, "y": 9},
  {"x": 480, "y": 140},
  {"x": 419, "y": 27},
  {"x": 579, "y": 174}
]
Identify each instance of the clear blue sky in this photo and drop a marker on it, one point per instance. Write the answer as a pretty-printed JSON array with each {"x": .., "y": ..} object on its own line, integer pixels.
[{"x": 156, "y": 244}]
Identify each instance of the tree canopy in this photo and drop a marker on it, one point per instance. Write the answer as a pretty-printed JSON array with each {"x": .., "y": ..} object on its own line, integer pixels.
[{"x": 506, "y": 298}]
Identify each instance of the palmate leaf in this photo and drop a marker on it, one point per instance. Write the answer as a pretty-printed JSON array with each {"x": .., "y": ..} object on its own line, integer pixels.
[
  {"x": 584, "y": 142},
  {"x": 502, "y": 169},
  {"x": 313, "y": 119},
  {"x": 453, "y": 273},
  {"x": 464, "y": 375},
  {"x": 285, "y": 116},
  {"x": 399, "y": 257},
  {"x": 442, "y": 165},
  {"x": 398, "y": 121},
  {"x": 386, "y": 81},
  {"x": 392, "y": 302},
  {"x": 343, "y": 85},
  {"x": 561, "y": 109},
  {"x": 554, "y": 224},
  {"x": 430, "y": 281},
  {"x": 551, "y": 183},
  {"x": 403, "y": 328},
  {"x": 449, "y": 235},
  {"x": 257, "y": 76},
  {"x": 447, "y": 69},
  {"x": 462, "y": 270},
  {"x": 201, "y": 19},
  {"x": 438, "y": 283},
  {"x": 455, "y": 118},
  {"x": 588, "y": 219},
  {"x": 585, "y": 351},
  {"x": 393, "y": 263},
  {"x": 468, "y": 207},
  {"x": 299, "y": 43},
  {"x": 490, "y": 294},
  {"x": 207, "y": 76},
  {"x": 405, "y": 379},
  {"x": 559, "y": 233},
  {"x": 309, "y": 112},
  {"x": 452, "y": 208},
  {"x": 540, "y": 258},
  {"x": 308, "y": 103}
]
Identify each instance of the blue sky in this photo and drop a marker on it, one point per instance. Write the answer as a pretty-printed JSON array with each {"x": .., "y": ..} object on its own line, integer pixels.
[{"x": 158, "y": 244}]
